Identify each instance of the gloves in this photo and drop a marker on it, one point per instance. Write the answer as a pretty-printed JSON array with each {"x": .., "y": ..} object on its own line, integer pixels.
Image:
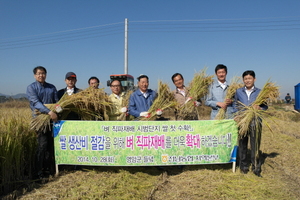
[
  {"x": 159, "y": 112},
  {"x": 58, "y": 108},
  {"x": 145, "y": 114},
  {"x": 197, "y": 103},
  {"x": 188, "y": 99},
  {"x": 123, "y": 110}
]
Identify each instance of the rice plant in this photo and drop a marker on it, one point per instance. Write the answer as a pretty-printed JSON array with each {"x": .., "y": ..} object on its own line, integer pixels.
[
  {"x": 125, "y": 103},
  {"x": 164, "y": 101},
  {"x": 88, "y": 104},
  {"x": 198, "y": 88},
  {"x": 17, "y": 147},
  {"x": 235, "y": 83}
]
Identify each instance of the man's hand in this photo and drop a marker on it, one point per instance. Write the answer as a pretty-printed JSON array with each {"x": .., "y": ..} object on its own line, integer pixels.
[
  {"x": 144, "y": 114},
  {"x": 257, "y": 107},
  {"x": 222, "y": 105},
  {"x": 53, "y": 115},
  {"x": 187, "y": 100},
  {"x": 123, "y": 110},
  {"x": 159, "y": 112},
  {"x": 197, "y": 103},
  {"x": 58, "y": 108},
  {"x": 228, "y": 102}
]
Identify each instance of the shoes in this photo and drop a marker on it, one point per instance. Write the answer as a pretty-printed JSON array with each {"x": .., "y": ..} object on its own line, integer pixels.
[
  {"x": 257, "y": 173},
  {"x": 180, "y": 166},
  {"x": 244, "y": 170},
  {"x": 160, "y": 168}
]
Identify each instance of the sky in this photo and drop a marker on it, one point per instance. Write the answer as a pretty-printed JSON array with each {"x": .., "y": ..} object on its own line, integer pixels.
[{"x": 164, "y": 37}]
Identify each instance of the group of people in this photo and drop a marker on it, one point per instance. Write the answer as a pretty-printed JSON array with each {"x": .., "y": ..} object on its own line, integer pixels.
[{"x": 41, "y": 93}]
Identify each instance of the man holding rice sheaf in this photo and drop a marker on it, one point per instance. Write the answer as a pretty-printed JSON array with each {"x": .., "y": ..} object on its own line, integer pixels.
[
  {"x": 245, "y": 101},
  {"x": 40, "y": 93},
  {"x": 116, "y": 97},
  {"x": 71, "y": 88},
  {"x": 141, "y": 100},
  {"x": 181, "y": 94},
  {"x": 94, "y": 82},
  {"x": 217, "y": 93}
]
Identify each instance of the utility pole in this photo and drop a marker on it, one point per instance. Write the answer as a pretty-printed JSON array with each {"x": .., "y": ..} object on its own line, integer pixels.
[{"x": 126, "y": 48}]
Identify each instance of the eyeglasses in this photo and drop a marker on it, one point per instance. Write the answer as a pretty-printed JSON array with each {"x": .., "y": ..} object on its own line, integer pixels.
[
  {"x": 115, "y": 86},
  {"x": 40, "y": 74}
]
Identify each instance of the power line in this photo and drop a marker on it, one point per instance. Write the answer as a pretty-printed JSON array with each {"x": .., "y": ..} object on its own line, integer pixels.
[
  {"x": 229, "y": 19},
  {"x": 97, "y": 26},
  {"x": 223, "y": 30},
  {"x": 78, "y": 36},
  {"x": 170, "y": 26},
  {"x": 45, "y": 43},
  {"x": 228, "y": 28}
]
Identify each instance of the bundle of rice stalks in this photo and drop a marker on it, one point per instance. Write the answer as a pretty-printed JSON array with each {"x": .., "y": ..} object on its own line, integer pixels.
[
  {"x": 125, "y": 103},
  {"x": 235, "y": 83},
  {"x": 165, "y": 100},
  {"x": 198, "y": 88},
  {"x": 247, "y": 114},
  {"x": 88, "y": 104}
]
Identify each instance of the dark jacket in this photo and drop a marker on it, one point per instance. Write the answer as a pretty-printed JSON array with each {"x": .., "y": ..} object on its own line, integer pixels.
[
  {"x": 71, "y": 115},
  {"x": 61, "y": 92}
]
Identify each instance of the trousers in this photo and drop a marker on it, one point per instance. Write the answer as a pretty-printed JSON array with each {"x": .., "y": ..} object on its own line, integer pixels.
[
  {"x": 44, "y": 152},
  {"x": 254, "y": 134}
]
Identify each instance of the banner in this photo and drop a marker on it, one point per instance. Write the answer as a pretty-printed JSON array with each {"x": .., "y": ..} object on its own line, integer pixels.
[{"x": 145, "y": 143}]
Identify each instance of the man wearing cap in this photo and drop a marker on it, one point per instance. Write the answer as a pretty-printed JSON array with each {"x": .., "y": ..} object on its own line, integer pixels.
[
  {"x": 70, "y": 80},
  {"x": 141, "y": 100}
]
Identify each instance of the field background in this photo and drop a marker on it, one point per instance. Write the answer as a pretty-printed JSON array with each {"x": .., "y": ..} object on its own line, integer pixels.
[{"x": 280, "y": 169}]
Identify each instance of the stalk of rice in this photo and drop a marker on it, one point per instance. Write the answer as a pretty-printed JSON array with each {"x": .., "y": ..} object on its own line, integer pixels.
[
  {"x": 88, "y": 104},
  {"x": 165, "y": 100},
  {"x": 91, "y": 103},
  {"x": 198, "y": 88},
  {"x": 125, "y": 102},
  {"x": 17, "y": 147},
  {"x": 251, "y": 118},
  {"x": 235, "y": 83}
]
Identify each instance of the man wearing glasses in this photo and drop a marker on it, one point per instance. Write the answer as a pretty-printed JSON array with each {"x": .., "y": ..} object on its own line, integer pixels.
[
  {"x": 116, "y": 98},
  {"x": 40, "y": 93}
]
